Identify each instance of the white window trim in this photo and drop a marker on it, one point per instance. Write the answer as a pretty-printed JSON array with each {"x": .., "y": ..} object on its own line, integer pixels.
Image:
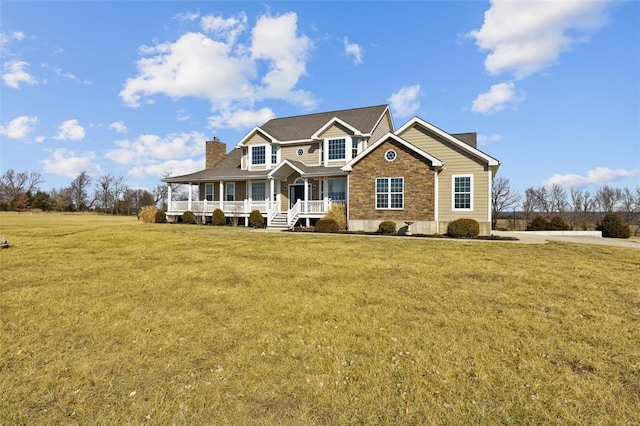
[
  {"x": 208, "y": 185},
  {"x": 226, "y": 191},
  {"x": 388, "y": 193},
  {"x": 453, "y": 193},
  {"x": 258, "y": 182},
  {"x": 277, "y": 148},
  {"x": 267, "y": 157},
  {"x": 345, "y": 188}
]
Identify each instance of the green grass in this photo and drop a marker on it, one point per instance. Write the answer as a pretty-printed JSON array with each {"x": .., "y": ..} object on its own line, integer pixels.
[{"x": 108, "y": 320}]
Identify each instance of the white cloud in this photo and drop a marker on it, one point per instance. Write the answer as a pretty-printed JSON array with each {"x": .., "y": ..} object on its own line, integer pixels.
[
  {"x": 70, "y": 130},
  {"x": 354, "y": 50},
  {"x": 147, "y": 150},
  {"x": 496, "y": 98},
  {"x": 405, "y": 102},
  {"x": 524, "y": 37},
  {"x": 118, "y": 126},
  {"x": 241, "y": 118},
  {"x": 19, "y": 128},
  {"x": 274, "y": 40},
  {"x": 182, "y": 115},
  {"x": 484, "y": 140},
  {"x": 68, "y": 163},
  {"x": 228, "y": 29},
  {"x": 221, "y": 69},
  {"x": 14, "y": 74},
  {"x": 175, "y": 167},
  {"x": 187, "y": 16},
  {"x": 598, "y": 176}
]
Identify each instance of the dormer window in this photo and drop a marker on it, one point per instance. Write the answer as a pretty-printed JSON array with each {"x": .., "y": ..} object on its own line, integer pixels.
[
  {"x": 258, "y": 155},
  {"x": 337, "y": 149}
]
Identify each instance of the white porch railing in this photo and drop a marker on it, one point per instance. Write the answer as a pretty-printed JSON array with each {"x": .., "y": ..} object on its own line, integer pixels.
[
  {"x": 293, "y": 213},
  {"x": 273, "y": 211},
  {"x": 199, "y": 207}
]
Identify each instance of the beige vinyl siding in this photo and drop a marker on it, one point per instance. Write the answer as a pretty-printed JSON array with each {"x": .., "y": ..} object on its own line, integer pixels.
[
  {"x": 257, "y": 139},
  {"x": 457, "y": 162},
  {"x": 311, "y": 156},
  {"x": 336, "y": 131},
  {"x": 382, "y": 128}
]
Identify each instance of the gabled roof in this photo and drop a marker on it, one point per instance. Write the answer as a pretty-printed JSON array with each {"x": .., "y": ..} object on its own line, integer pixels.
[
  {"x": 304, "y": 127},
  {"x": 455, "y": 141},
  {"x": 434, "y": 161},
  {"x": 253, "y": 131}
]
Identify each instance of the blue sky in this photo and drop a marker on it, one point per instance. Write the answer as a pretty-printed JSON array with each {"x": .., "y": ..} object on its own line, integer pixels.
[{"x": 134, "y": 89}]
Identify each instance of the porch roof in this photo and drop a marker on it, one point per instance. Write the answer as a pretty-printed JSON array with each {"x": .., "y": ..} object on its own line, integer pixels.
[{"x": 229, "y": 169}]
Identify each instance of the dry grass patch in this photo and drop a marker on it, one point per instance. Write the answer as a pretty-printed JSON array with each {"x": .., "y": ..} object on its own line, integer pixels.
[{"x": 113, "y": 321}]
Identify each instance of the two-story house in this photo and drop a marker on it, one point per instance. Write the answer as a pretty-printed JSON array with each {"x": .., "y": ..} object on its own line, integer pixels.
[{"x": 292, "y": 169}]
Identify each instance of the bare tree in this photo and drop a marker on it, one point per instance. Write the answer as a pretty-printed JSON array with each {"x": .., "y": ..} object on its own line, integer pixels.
[
  {"x": 582, "y": 205},
  {"x": 503, "y": 197},
  {"x": 78, "y": 191},
  {"x": 557, "y": 197},
  {"x": 529, "y": 203},
  {"x": 119, "y": 189},
  {"x": 104, "y": 191},
  {"x": 607, "y": 198},
  {"x": 13, "y": 184}
]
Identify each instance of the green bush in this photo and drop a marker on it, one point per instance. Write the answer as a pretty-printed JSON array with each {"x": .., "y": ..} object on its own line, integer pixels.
[
  {"x": 256, "y": 219},
  {"x": 463, "y": 228},
  {"x": 327, "y": 225},
  {"x": 218, "y": 218},
  {"x": 539, "y": 223},
  {"x": 188, "y": 217},
  {"x": 160, "y": 217},
  {"x": 387, "y": 227},
  {"x": 338, "y": 212},
  {"x": 148, "y": 214},
  {"x": 557, "y": 223},
  {"x": 613, "y": 227}
]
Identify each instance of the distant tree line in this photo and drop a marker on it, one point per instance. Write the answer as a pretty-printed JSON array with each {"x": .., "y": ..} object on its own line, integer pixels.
[
  {"x": 580, "y": 208},
  {"x": 20, "y": 191}
]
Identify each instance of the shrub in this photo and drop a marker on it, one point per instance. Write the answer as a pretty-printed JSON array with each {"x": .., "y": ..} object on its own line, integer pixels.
[
  {"x": 613, "y": 227},
  {"x": 327, "y": 225},
  {"x": 188, "y": 217},
  {"x": 387, "y": 227},
  {"x": 539, "y": 223},
  {"x": 338, "y": 212},
  {"x": 557, "y": 223},
  {"x": 148, "y": 214},
  {"x": 160, "y": 217},
  {"x": 463, "y": 228},
  {"x": 256, "y": 219},
  {"x": 218, "y": 218}
]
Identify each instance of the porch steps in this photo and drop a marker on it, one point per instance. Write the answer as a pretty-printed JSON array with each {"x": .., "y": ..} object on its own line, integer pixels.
[{"x": 279, "y": 222}]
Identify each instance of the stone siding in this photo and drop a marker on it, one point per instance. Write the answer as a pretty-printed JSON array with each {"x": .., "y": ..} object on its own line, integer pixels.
[{"x": 418, "y": 185}]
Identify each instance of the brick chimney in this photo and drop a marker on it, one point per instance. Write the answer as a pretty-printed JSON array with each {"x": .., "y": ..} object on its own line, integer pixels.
[{"x": 216, "y": 151}]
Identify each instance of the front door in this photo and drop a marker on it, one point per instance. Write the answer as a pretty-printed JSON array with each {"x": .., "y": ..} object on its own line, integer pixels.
[{"x": 296, "y": 192}]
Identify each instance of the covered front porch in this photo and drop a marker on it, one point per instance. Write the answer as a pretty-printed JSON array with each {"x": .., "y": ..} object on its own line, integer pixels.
[{"x": 280, "y": 211}]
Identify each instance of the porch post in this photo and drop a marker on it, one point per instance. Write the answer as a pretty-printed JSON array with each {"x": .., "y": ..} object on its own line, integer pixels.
[
  {"x": 325, "y": 197},
  {"x": 169, "y": 197},
  {"x": 272, "y": 189},
  {"x": 190, "y": 195},
  {"x": 222, "y": 195},
  {"x": 306, "y": 194}
]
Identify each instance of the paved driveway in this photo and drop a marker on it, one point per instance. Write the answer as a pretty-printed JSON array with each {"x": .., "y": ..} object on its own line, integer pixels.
[{"x": 526, "y": 238}]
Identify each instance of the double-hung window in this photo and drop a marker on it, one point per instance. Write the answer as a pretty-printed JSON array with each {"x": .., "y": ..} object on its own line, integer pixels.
[
  {"x": 208, "y": 192},
  {"x": 274, "y": 154},
  {"x": 337, "y": 149},
  {"x": 390, "y": 193},
  {"x": 258, "y": 154},
  {"x": 463, "y": 192},
  {"x": 337, "y": 189},
  {"x": 354, "y": 147},
  {"x": 230, "y": 191},
  {"x": 258, "y": 191}
]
